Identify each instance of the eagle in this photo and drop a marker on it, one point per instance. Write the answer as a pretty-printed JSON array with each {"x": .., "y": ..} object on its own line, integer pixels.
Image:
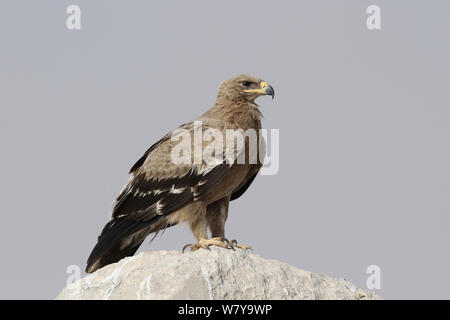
[{"x": 162, "y": 192}]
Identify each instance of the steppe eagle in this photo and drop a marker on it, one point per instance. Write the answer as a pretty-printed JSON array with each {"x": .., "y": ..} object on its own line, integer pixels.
[{"x": 162, "y": 192}]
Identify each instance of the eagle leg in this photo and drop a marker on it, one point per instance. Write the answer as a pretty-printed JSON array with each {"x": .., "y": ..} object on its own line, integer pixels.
[{"x": 205, "y": 243}]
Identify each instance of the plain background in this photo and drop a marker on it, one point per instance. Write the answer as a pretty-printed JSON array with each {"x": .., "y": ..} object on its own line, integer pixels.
[{"x": 363, "y": 117}]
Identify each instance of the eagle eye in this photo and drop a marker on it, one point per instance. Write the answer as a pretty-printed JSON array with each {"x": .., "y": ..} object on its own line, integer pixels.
[{"x": 246, "y": 83}]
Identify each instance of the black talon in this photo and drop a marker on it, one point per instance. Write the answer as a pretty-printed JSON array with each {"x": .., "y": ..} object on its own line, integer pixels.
[
  {"x": 234, "y": 242},
  {"x": 229, "y": 244},
  {"x": 224, "y": 240},
  {"x": 186, "y": 246}
]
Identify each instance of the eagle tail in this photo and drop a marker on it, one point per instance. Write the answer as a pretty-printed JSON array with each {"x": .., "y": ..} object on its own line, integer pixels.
[{"x": 120, "y": 238}]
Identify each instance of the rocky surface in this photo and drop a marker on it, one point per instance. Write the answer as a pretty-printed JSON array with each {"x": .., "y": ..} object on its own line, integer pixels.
[{"x": 215, "y": 274}]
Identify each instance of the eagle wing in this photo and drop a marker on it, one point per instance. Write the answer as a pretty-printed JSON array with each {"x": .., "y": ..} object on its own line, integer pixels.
[
  {"x": 253, "y": 173},
  {"x": 240, "y": 191},
  {"x": 158, "y": 186}
]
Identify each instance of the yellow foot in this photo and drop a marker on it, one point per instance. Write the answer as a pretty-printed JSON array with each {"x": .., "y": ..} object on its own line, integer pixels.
[{"x": 219, "y": 242}]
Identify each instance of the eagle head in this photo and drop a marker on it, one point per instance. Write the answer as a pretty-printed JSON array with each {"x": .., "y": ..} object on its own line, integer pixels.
[{"x": 245, "y": 87}]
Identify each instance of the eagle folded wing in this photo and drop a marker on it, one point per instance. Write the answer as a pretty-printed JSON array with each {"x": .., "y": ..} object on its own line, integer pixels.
[{"x": 158, "y": 186}]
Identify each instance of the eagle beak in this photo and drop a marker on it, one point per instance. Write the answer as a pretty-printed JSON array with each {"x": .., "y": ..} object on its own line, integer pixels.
[
  {"x": 265, "y": 89},
  {"x": 269, "y": 90}
]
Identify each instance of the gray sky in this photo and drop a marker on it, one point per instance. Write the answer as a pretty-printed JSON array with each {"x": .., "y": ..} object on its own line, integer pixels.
[{"x": 363, "y": 117}]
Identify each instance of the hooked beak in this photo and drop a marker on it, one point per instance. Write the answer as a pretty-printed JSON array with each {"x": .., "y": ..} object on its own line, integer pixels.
[{"x": 265, "y": 89}]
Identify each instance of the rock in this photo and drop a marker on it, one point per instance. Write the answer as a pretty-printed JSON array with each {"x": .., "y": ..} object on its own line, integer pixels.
[{"x": 215, "y": 274}]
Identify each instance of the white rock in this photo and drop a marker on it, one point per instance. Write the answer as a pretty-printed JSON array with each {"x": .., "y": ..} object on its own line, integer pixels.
[{"x": 215, "y": 274}]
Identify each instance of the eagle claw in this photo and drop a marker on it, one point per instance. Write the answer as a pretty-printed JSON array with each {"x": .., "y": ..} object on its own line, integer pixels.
[
  {"x": 189, "y": 245},
  {"x": 235, "y": 245},
  {"x": 219, "y": 242}
]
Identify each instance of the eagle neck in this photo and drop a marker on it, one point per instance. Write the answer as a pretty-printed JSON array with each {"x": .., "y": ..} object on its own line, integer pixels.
[{"x": 240, "y": 114}]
